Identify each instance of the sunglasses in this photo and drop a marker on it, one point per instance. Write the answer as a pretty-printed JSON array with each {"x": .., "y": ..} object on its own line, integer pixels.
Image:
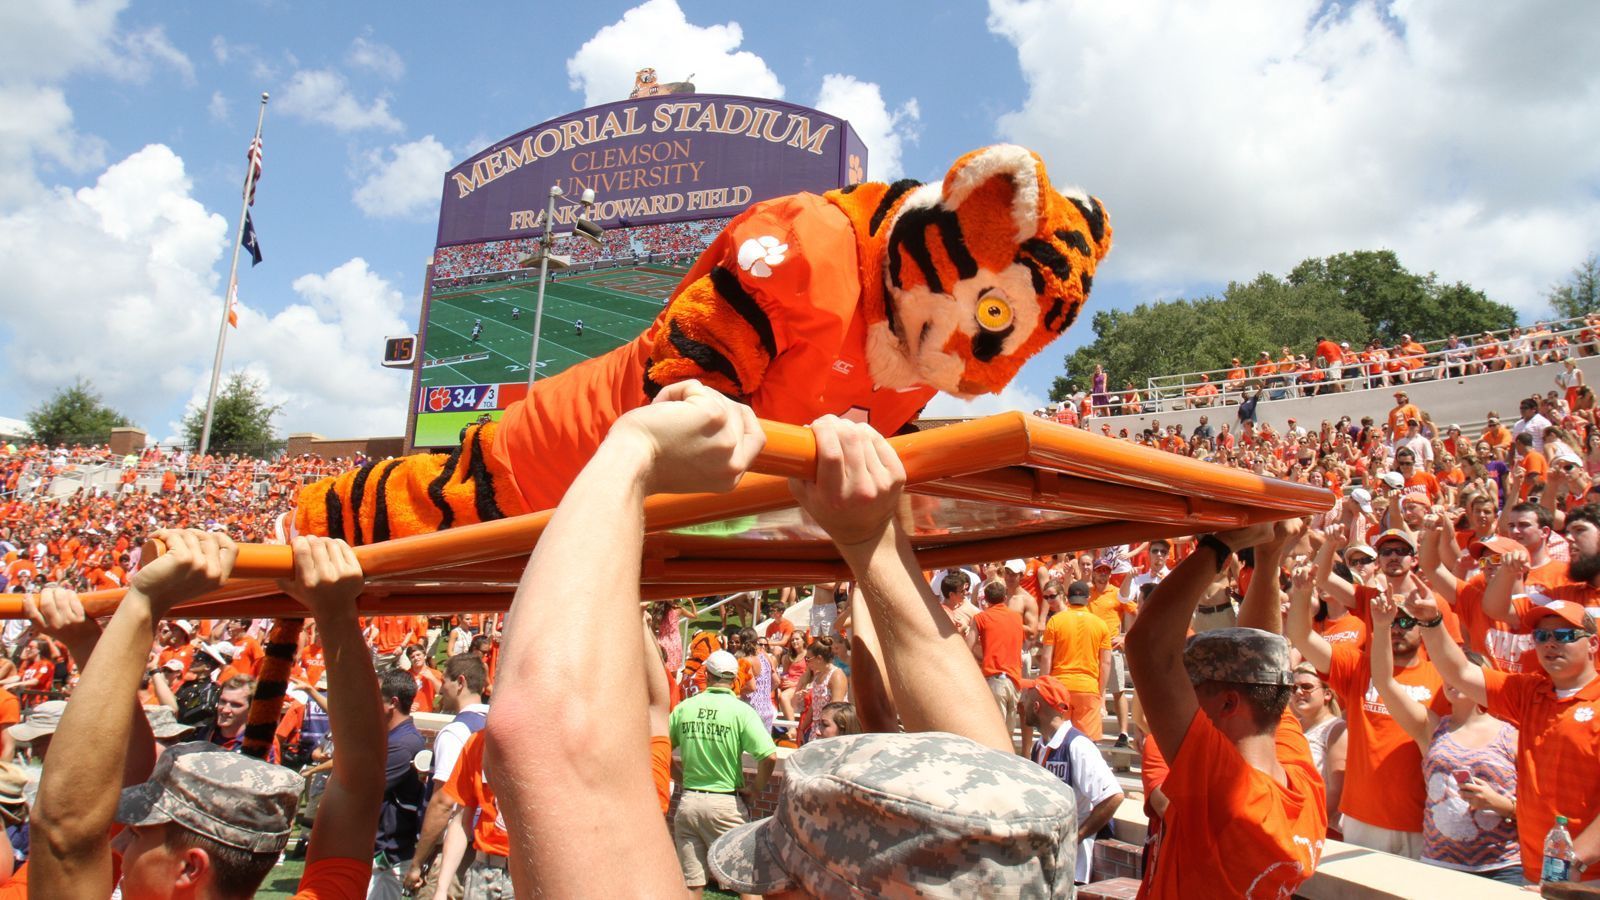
[
  {"x": 1394, "y": 551},
  {"x": 1490, "y": 560},
  {"x": 1559, "y": 635},
  {"x": 1403, "y": 622},
  {"x": 1306, "y": 688}
]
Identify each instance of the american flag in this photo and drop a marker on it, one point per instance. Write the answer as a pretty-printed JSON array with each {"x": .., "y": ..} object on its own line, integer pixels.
[{"x": 254, "y": 155}]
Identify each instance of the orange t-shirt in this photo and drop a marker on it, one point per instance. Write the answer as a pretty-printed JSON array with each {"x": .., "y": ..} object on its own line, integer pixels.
[
  {"x": 38, "y": 676},
  {"x": 661, "y": 769},
  {"x": 1363, "y": 611},
  {"x": 1427, "y": 482},
  {"x": 423, "y": 702},
  {"x": 1347, "y": 629},
  {"x": 469, "y": 787},
  {"x": 1001, "y": 630},
  {"x": 335, "y": 879},
  {"x": 1558, "y": 758},
  {"x": 1231, "y": 830},
  {"x": 1399, "y": 415},
  {"x": 249, "y": 657},
  {"x": 1536, "y": 467},
  {"x": 1077, "y": 638},
  {"x": 1383, "y": 769},
  {"x": 1498, "y": 437},
  {"x": 10, "y": 709}
]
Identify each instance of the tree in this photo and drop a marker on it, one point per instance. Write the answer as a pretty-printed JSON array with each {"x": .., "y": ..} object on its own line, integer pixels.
[
  {"x": 242, "y": 417},
  {"x": 1580, "y": 293},
  {"x": 1190, "y": 335},
  {"x": 75, "y": 414},
  {"x": 1352, "y": 297}
]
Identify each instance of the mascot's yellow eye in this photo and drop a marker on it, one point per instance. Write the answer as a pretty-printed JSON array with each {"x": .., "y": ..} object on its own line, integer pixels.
[{"x": 994, "y": 313}]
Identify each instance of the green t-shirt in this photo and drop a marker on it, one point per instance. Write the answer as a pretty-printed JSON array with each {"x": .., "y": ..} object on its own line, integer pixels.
[{"x": 710, "y": 731}]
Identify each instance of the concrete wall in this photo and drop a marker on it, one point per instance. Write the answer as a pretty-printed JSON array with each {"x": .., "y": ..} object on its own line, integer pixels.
[{"x": 1462, "y": 401}]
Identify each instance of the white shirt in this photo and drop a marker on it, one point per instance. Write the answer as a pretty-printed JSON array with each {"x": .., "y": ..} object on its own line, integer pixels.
[
  {"x": 448, "y": 742},
  {"x": 1534, "y": 426},
  {"x": 1092, "y": 782}
]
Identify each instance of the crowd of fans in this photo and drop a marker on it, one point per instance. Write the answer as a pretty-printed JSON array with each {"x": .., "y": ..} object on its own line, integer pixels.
[
  {"x": 1334, "y": 366},
  {"x": 1456, "y": 737},
  {"x": 667, "y": 239}
]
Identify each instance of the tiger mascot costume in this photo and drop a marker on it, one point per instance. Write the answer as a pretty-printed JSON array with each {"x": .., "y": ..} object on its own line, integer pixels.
[{"x": 862, "y": 302}]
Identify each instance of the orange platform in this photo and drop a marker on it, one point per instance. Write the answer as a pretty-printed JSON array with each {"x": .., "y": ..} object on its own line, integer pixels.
[{"x": 1005, "y": 486}]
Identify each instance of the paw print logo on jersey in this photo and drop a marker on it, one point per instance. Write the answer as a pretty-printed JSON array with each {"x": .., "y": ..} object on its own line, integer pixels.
[
  {"x": 1583, "y": 713},
  {"x": 758, "y": 255},
  {"x": 438, "y": 398}
]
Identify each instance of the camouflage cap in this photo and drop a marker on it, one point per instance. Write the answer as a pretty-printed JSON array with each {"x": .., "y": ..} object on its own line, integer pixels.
[
  {"x": 227, "y": 797},
  {"x": 164, "y": 723},
  {"x": 929, "y": 814},
  {"x": 1238, "y": 655}
]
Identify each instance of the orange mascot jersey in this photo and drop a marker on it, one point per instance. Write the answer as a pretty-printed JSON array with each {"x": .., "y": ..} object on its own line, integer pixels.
[{"x": 863, "y": 302}]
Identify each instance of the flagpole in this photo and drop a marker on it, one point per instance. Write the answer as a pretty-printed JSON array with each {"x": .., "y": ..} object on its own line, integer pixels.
[{"x": 228, "y": 295}]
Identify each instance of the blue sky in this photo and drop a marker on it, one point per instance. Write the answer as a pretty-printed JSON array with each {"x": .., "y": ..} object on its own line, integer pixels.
[{"x": 1225, "y": 140}]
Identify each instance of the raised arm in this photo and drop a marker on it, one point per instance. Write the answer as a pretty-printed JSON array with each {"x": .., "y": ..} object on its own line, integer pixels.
[
  {"x": 79, "y": 789},
  {"x": 1263, "y": 601},
  {"x": 1410, "y": 715},
  {"x": 869, "y": 680},
  {"x": 1298, "y": 624},
  {"x": 1154, "y": 645},
  {"x": 1431, "y": 561},
  {"x": 936, "y": 683},
  {"x": 1453, "y": 665},
  {"x": 571, "y": 768},
  {"x": 1506, "y": 582},
  {"x": 327, "y": 581},
  {"x": 1330, "y": 582}
]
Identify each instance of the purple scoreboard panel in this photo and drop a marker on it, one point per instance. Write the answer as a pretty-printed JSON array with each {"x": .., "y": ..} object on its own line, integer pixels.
[{"x": 670, "y": 158}]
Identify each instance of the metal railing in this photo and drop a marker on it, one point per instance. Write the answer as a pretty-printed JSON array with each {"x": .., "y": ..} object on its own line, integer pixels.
[{"x": 1169, "y": 393}]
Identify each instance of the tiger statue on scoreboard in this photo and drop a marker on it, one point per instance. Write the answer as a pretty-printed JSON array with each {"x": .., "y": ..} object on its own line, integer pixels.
[{"x": 862, "y": 302}]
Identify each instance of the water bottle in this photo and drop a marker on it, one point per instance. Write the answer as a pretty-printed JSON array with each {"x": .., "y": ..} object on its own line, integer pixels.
[{"x": 1557, "y": 854}]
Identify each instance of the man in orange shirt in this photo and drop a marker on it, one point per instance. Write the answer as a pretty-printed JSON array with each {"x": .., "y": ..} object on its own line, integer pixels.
[
  {"x": 1403, "y": 410},
  {"x": 998, "y": 636},
  {"x": 1239, "y": 764},
  {"x": 1105, "y": 601},
  {"x": 1495, "y": 434},
  {"x": 1529, "y": 463},
  {"x": 1077, "y": 652},
  {"x": 1384, "y": 790},
  {"x": 1557, "y": 714}
]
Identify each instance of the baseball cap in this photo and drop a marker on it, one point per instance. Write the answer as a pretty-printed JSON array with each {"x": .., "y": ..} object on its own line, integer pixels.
[
  {"x": 906, "y": 814},
  {"x": 1395, "y": 534},
  {"x": 1237, "y": 655},
  {"x": 1415, "y": 497},
  {"x": 173, "y": 665},
  {"x": 1567, "y": 611},
  {"x": 1016, "y": 566},
  {"x": 1362, "y": 549},
  {"x": 228, "y": 797},
  {"x": 1363, "y": 499},
  {"x": 1494, "y": 545},
  {"x": 1051, "y": 691},
  {"x": 42, "y": 721},
  {"x": 1078, "y": 592},
  {"x": 1393, "y": 479},
  {"x": 164, "y": 723},
  {"x": 188, "y": 625},
  {"x": 722, "y": 664}
]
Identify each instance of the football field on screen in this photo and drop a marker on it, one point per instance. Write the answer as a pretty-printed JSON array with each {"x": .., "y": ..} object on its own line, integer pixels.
[{"x": 463, "y": 378}]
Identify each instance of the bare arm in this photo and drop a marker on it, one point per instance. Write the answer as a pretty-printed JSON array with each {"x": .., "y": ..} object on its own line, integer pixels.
[
  {"x": 327, "y": 580},
  {"x": 163, "y": 690},
  {"x": 1453, "y": 665},
  {"x": 1298, "y": 624},
  {"x": 1414, "y": 718},
  {"x": 1497, "y": 594},
  {"x": 936, "y": 682},
  {"x": 1431, "y": 562},
  {"x": 1099, "y": 816},
  {"x": 571, "y": 768},
  {"x": 1154, "y": 645},
  {"x": 441, "y": 814},
  {"x": 869, "y": 681},
  {"x": 457, "y": 840},
  {"x": 1334, "y": 762},
  {"x": 78, "y": 791},
  {"x": 1330, "y": 582},
  {"x": 1263, "y": 602}
]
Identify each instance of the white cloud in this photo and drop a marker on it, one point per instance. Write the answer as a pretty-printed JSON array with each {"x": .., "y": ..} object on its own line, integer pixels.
[
  {"x": 220, "y": 49},
  {"x": 143, "y": 50},
  {"x": 218, "y": 107},
  {"x": 1228, "y": 139},
  {"x": 36, "y": 127},
  {"x": 130, "y": 267},
  {"x": 883, "y": 130},
  {"x": 376, "y": 57},
  {"x": 43, "y": 40},
  {"x": 656, "y": 33},
  {"x": 405, "y": 182},
  {"x": 1013, "y": 397},
  {"x": 322, "y": 95}
]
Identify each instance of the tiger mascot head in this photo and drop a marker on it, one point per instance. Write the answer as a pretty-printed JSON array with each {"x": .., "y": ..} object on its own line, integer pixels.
[{"x": 979, "y": 272}]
